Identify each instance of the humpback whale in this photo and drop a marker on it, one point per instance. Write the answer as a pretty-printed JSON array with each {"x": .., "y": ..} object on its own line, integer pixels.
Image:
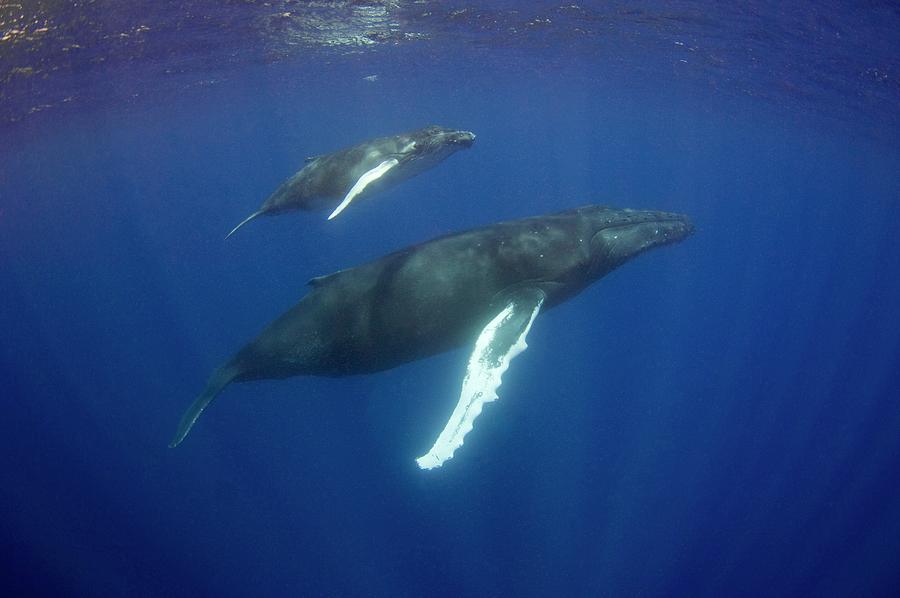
[
  {"x": 481, "y": 288},
  {"x": 361, "y": 170}
]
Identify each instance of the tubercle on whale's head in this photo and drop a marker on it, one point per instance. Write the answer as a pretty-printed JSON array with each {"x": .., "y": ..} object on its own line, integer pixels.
[{"x": 621, "y": 234}]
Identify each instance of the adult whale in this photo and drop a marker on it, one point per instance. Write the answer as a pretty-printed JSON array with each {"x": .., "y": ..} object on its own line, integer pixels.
[
  {"x": 361, "y": 170},
  {"x": 485, "y": 285}
]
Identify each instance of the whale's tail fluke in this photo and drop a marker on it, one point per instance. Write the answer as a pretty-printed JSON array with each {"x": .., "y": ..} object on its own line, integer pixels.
[
  {"x": 245, "y": 221},
  {"x": 219, "y": 380}
]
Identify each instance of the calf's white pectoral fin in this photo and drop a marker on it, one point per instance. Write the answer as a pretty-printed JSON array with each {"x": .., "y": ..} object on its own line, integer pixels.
[{"x": 360, "y": 185}]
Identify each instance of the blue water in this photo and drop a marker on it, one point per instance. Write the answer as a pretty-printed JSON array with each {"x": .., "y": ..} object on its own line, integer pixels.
[{"x": 716, "y": 418}]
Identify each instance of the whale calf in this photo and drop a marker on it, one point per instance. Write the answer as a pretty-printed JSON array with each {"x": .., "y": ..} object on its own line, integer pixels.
[
  {"x": 482, "y": 288},
  {"x": 338, "y": 178}
]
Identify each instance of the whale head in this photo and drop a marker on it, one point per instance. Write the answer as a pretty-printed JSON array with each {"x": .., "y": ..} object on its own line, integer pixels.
[
  {"x": 436, "y": 138},
  {"x": 621, "y": 234}
]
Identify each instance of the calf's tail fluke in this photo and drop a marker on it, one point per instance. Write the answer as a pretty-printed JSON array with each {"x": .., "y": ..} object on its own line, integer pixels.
[
  {"x": 220, "y": 379},
  {"x": 244, "y": 221}
]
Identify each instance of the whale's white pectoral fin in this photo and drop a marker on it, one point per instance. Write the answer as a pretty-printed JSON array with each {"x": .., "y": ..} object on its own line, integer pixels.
[
  {"x": 367, "y": 177},
  {"x": 500, "y": 341}
]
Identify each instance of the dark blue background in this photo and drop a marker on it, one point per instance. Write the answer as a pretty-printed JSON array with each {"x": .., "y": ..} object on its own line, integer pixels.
[{"x": 715, "y": 418}]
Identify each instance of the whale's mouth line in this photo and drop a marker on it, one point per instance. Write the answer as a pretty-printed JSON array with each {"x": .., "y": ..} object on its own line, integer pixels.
[{"x": 683, "y": 220}]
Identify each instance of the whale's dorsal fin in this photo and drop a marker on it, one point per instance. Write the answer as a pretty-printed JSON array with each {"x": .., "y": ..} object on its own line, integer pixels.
[
  {"x": 317, "y": 281},
  {"x": 367, "y": 177},
  {"x": 309, "y": 159},
  {"x": 500, "y": 341}
]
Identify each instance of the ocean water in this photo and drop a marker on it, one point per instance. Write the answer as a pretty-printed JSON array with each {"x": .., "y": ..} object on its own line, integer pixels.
[{"x": 715, "y": 418}]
